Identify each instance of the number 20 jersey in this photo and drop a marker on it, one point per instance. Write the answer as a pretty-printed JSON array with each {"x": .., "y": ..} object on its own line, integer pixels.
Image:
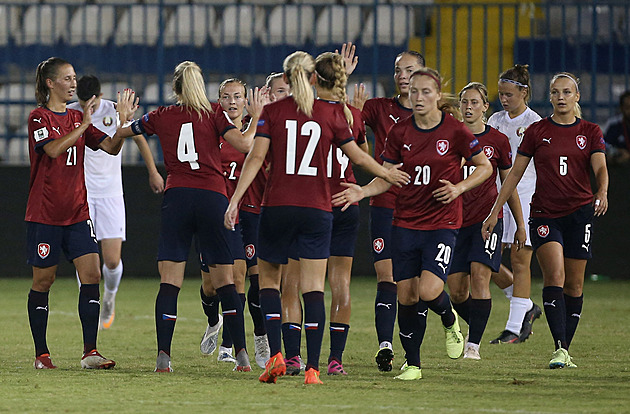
[
  {"x": 429, "y": 155},
  {"x": 299, "y": 150}
]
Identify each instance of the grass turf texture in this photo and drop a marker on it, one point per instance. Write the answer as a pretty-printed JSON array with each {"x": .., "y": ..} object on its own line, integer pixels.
[{"x": 509, "y": 378}]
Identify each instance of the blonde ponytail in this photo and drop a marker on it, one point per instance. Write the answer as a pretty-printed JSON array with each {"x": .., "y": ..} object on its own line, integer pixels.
[
  {"x": 190, "y": 89},
  {"x": 298, "y": 67}
]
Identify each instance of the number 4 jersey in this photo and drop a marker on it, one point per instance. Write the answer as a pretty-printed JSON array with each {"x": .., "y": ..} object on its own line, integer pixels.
[
  {"x": 190, "y": 144},
  {"x": 57, "y": 194}
]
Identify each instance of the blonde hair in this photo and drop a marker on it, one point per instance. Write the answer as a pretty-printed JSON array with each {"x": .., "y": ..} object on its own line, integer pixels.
[
  {"x": 331, "y": 75},
  {"x": 298, "y": 67},
  {"x": 448, "y": 102},
  {"x": 483, "y": 91},
  {"x": 577, "y": 110},
  {"x": 226, "y": 82},
  {"x": 190, "y": 89}
]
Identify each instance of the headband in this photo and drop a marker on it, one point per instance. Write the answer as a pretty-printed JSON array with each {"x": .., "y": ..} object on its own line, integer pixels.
[
  {"x": 564, "y": 75},
  {"x": 429, "y": 74},
  {"x": 513, "y": 82},
  {"x": 320, "y": 77}
]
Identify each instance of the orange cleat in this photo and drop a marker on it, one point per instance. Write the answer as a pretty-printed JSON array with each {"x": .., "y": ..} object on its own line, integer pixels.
[
  {"x": 43, "y": 362},
  {"x": 274, "y": 368},
  {"x": 311, "y": 376}
]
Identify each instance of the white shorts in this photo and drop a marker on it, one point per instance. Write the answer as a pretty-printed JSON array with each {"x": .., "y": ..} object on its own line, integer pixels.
[
  {"x": 108, "y": 216},
  {"x": 525, "y": 193}
]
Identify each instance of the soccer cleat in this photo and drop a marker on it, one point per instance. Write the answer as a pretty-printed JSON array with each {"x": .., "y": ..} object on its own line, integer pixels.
[
  {"x": 531, "y": 315},
  {"x": 404, "y": 366},
  {"x": 335, "y": 368},
  {"x": 454, "y": 340},
  {"x": 94, "y": 360},
  {"x": 410, "y": 373},
  {"x": 559, "y": 359},
  {"x": 506, "y": 337},
  {"x": 274, "y": 368},
  {"x": 242, "y": 362},
  {"x": 293, "y": 365},
  {"x": 106, "y": 318},
  {"x": 43, "y": 362},
  {"x": 210, "y": 338},
  {"x": 311, "y": 376},
  {"x": 471, "y": 352},
  {"x": 570, "y": 363},
  {"x": 163, "y": 362},
  {"x": 384, "y": 358},
  {"x": 261, "y": 350},
  {"x": 225, "y": 355}
]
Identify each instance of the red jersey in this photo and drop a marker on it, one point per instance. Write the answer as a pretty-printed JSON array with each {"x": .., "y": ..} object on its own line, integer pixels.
[
  {"x": 299, "y": 149},
  {"x": 339, "y": 168},
  {"x": 429, "y": 155},
  {"x": 478, "y": 202},
  {"x": 57, "y": 194},
  {"x": 380, "y": 114},
  {"x": 562, "y": 157},
  {"x": 253, "y": 196},
  {"x": 232, "y": 161},
  {"x": 190, "y": 145}
]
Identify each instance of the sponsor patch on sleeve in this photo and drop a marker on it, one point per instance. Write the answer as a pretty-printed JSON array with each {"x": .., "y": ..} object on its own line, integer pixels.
[
  {"x": 261, "y": 122},
  {"x": 474, "y": 142},
  {"x": 40, "y": 134}
]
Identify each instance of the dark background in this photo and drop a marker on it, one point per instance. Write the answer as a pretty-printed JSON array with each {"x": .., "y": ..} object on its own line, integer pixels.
[{"x": 610, "y": 253}]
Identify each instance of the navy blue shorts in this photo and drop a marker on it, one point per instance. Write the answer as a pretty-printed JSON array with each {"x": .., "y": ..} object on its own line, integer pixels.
[
  {"x": 381, "y": 219},
  {"x": 345, "y": 230},
  {"x": 188, "y": 212},
  {"x": 471, "y": 247},
  {"x": 44, "y": 242},
  {"x": 236, "y": 247},
  {"x": 574, "y": 232},
  {"x": 249, "y": 229},
  {"x": 280, "y": 227},
  {"x": 414, "y": 251}
]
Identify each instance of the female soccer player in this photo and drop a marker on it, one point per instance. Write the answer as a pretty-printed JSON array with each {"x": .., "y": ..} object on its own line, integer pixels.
[
  {"x": 57, "y": 213},
  {"x": 474, "y": 258},
  {"x": 298, "y": 131},
  {"x": 380, "y": 114},
  {"x": 514, "y": 93},
  {"x": 564, "y": 148},
  {"x": 189, "y": 133},
  {"x": 430, "y": 145}
]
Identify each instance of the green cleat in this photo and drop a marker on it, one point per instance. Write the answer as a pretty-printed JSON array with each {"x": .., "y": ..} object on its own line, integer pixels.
[
  {"x": 410, "y": 373},
  {"x": 570, "y": 363},
  {"x": 454, "y": 340},
  {"x": 560, "y": 359}
]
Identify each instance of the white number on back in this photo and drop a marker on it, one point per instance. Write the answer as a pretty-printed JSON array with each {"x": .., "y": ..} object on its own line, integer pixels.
[
  {"x": 342, "y": 159},
  {"x": 310, "y": 129},
  {"x": 186, "y": 146}
]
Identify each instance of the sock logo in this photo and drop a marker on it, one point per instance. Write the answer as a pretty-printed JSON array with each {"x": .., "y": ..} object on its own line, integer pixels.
[
  {"x": 408, "y": 336},
  {"x": 295, "y": 327},
  {"x": 229, "y": 312},
  {"x": 44, "y": 308},
  {"x": 311, "y": 326},
  {"x": 386, "y": 305},
  {"x": 272, "y": 316},
  {"x": 423, "y": 313},
  {"x": 337, "y": 329},
  {"x": 254, "y": 305},
  {"x": 552, "y": 303},
  {"x": 167, "y": 317},
  {"x": 576, "y": 315},
  {"x": 94, "y": 301}
]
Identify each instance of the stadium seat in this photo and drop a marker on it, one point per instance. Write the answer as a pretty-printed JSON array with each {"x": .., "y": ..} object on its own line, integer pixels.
[
  {"x": 110, "y": 89},
  {"x": 118, "y": 2},
  {"x": 239, "y": 25},
  {"x": 212, "y": 90},
  {"x": 191, "y": 24},
  {"x": 215, "y": 2},
  {"x": 395, "y": 26},
  {"x": 9, "y": 23},
  {"x": 363, "y": 2},
  {"x": 289, "y": 25},
  {"x": 43, "y": 24},
  {"x": 92, "y": 24},
  {"x": 369, "y": 87},
  {"x": 17, "y": 151},
  {"x": 139, "y": 25},
  {"x": 15, "y": 114},
  {"x": 151, "y": 95},
  {"x": 338, "y": 24}
]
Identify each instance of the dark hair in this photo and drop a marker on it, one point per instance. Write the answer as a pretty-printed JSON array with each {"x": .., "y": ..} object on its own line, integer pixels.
[
  {"x": 415, "y": 54},
  {"x": 88, "y": 86},
  {"x": 46, "y": 70},
  {"x": 623, "y": 97},
  {"x": 519, "y": 76}
]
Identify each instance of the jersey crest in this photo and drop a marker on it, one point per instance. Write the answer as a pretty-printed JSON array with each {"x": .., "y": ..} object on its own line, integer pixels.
[
  {"x": 378, "y": 245},
  {"x": 580, "y": 140},
  {"x": 442, "y": 146},
  {"x": 488, "y": 151},
  {"x": 43, "y": 250},
  {"x": 108, "y": 121},
  {"x": 543, "y": 231}
]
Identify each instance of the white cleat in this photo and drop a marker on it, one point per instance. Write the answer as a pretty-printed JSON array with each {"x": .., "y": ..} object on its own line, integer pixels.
[
  {"x": 261, "y": 349},
  {"x": 472, "y": 352},
  {"x": 225, "y": 355},
  {"x": 94, "y": 360},
  {"x": 211, "y": 337}
]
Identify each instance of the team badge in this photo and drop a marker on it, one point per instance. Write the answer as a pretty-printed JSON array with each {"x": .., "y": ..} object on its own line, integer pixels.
[
  {"x": 250, "y": 251},
  {"x": 442, "y": 146},
  {"x": 520, "y": 131},
  {"x": 43, "y": 250},
  {"x": 108, "y": 121},
  {"x": 489, "y": 151},
  {"x": 378, "y": 245},
  {"x": 40, "y": 134},
  {"x": 543, "y": 231},
  {"x": 580, "y": 140},
  {"x": 77, "y": 124}
]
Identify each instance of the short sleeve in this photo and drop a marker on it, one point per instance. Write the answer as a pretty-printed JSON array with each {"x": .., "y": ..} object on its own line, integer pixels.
[
  {"x": 223, "y": 122},
  {"x": 93, "y": 137},
  {"x": 598, "y": 144},
  {"x": 528, "y": 144},
  {"x": 342, "y": 133},
  {"x": 369, "y": 112},
  {"x": 470, "y": 144},
  {"x": 391, "y": 151},
  {"x": 262, "y": 127},
  {"x": 39, "y": 131}
]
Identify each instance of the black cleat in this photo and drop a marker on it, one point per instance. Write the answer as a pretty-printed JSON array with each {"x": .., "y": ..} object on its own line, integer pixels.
[
  {"x": 506, "y": 337},
  {"x": 384, "y": 358},
  {"x": 531, "y": 315}
]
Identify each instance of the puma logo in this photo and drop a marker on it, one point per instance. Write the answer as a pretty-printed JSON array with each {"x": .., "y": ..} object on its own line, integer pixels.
[
  {"x": 56, "y": 129},
  {"x": 443, "y": 267},
  {"x": 394, "y": 119},
  {"x": 547, "y": 140},
  {"x": 254, "y": 305},
  {"x": 94, "y": 301},
  {"x": 490, "y": 254},
  {"x": 585, "y": 247},
  {"x": 552, "y": 303},
  {"x": 38, "y": 120},
  {"x": 387, "y": 305},
  {"x": 423, "y": 313},
  {"x": 44, "y": 308},
  {"x": 407, "y": 147},
  {"x": 576, "y": 315},
  {"x": 405, "y": 336}
]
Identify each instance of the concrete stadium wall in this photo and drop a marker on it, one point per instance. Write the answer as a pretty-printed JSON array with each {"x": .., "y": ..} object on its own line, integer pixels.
[{"x": 143, "y": 221}]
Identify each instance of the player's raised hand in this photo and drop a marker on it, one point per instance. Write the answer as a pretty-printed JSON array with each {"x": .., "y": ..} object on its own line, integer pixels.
[
  {"x": 347, "y": 53},
  {"x": 127, "y": 104},
  {"x": 256, "y": 102},
  {"x": 359, "y": 97},
  {"x": 88, "y": 110}
]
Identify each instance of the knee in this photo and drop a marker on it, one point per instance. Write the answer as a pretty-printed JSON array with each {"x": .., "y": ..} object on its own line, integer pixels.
[{"x": 111, "y": 262}]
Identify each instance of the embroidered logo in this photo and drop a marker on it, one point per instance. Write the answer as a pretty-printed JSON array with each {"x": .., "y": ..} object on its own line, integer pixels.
[
  {"x": 378, "y": 245},
  {"x": 580, "y": 140},
  {"x": 250, "y": 251},
  {"x": 43, "y": 250},
  {"x": 442, "y": 146},
  {"x": 488, "y": 151},
  {"x": 543, "y": 231}
]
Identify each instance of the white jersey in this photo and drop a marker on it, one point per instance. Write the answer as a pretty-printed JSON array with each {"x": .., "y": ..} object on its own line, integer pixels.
[
  {"x": 514, "y": 128},
  {"x": 103, "y": 173}
]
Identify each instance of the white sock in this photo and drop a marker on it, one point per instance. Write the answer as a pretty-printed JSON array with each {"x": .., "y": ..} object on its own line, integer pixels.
[
  {"x": 112, "y": 277},
  {"x": 78, "y": 280},
  {"x": 518, "y": 309},
  {"x": 475, "y": 346},
  {"x": 508, "y": 291}
]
